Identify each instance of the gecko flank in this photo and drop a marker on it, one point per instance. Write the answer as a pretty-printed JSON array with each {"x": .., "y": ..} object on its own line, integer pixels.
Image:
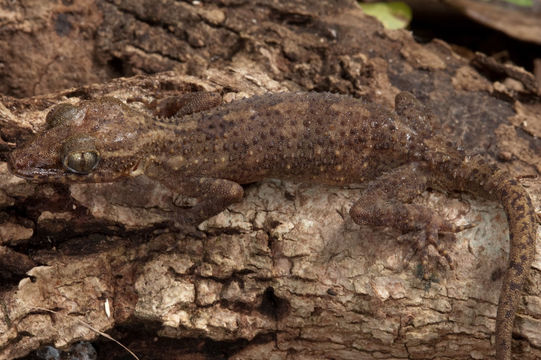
[{"x": 309, "y": 137}]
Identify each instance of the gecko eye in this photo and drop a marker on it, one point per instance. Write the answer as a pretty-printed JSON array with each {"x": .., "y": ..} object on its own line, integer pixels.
[
  {"x": 60, "y": 114},
  {"x": 79, "y": 155},
  {"x": 81, "y": 162}
]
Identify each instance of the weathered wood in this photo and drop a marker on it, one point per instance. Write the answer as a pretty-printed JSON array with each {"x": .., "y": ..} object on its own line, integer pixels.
[{"x": 285, "y": 273}]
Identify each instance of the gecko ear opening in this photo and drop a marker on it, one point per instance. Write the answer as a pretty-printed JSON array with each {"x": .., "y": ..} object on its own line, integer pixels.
[
  {"x": 79, "y": 155},
  {"x": 60, "y": 114}
]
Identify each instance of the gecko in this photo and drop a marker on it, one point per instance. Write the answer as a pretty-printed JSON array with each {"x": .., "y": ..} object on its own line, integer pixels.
[{"x": 209, "y": 150}]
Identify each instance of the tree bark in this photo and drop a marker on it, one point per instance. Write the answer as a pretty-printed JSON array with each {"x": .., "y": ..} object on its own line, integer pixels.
[{"x": 285, "y": 273}]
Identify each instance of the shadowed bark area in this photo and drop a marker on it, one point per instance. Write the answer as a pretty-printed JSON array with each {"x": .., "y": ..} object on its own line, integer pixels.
[{"x": 285, "y": 273}]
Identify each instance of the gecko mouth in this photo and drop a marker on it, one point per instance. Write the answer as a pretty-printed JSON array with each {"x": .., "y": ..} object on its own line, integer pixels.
[
  {"x": 25, "y": 166},
  {"x": 55, "y": 175}
]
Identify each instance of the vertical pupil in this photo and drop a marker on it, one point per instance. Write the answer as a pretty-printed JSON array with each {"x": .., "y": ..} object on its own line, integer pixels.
[
  {"x": 82, "y": 162},
  {"x": 87, "y": 161},
  {"x": 75, "y": 161}
]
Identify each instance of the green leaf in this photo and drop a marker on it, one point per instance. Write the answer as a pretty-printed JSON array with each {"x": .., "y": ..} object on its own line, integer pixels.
[
  {"x": 526, "y": 3},
  {"x": 393, "y": 15}
]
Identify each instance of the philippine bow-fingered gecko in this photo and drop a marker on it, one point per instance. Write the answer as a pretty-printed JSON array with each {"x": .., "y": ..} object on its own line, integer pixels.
[{"x": 311, "y": 137}]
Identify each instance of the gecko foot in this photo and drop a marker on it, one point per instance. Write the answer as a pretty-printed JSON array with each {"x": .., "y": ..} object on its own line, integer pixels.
[
  {"x": 187, "y": 229},
  {"x": 387, "y": 202},
  {"x": 428, "y": 243}
]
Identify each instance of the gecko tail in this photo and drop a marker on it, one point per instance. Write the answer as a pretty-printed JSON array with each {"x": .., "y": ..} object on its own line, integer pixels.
[
  {"x": 522, "y": 229},
  {"x": 485, "y": 177}
]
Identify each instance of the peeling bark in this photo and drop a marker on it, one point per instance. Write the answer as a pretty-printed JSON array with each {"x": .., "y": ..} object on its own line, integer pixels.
[{"x": 285, "y": 273}]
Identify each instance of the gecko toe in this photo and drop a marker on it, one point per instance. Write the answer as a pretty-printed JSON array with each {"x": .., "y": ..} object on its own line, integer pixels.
[{"x": 431, "y": 243}]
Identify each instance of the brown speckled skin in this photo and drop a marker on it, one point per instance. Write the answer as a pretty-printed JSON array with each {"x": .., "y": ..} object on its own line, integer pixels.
[{"x": 310, "y": 137}]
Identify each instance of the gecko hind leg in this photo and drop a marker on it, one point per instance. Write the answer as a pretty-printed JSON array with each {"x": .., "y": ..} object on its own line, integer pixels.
[{"x": 387, "y": 202}]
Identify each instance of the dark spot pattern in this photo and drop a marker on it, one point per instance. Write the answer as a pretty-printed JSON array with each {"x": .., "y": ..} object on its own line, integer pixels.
[{"x": 319, "y": 137}]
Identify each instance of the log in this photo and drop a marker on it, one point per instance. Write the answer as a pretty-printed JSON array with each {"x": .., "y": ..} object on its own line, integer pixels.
[{"x": 285, "y": 273}]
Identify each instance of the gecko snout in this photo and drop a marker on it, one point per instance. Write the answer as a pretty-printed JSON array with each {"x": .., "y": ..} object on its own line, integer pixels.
[
  {"x": 19, "y": 162},
  {"x": 25, "y": 163}
]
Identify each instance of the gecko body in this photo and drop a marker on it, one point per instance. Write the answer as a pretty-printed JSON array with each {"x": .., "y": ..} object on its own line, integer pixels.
[{"x": 311, "y": 137}]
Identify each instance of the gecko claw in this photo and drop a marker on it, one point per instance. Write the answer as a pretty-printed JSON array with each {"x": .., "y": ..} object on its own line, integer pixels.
[{"x": 453, "y": 229}]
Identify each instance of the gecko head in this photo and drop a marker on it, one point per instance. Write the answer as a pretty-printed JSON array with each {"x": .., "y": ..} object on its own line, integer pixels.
[{"x": 90, "y": 142}]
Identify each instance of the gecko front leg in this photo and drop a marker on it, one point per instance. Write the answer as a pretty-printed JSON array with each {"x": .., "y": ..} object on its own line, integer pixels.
[
  {"x": 212, "y": 197},
  {"x": 184, "y": 104}
]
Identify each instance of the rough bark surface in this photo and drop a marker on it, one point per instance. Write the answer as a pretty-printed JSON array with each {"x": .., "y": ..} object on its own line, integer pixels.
[{"x": 285, "y": 274}]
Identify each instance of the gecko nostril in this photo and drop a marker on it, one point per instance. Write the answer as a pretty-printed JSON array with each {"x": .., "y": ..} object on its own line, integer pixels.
[
  {"x": 13, "y": 161},
  {"x": 19, "y": 161}
]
